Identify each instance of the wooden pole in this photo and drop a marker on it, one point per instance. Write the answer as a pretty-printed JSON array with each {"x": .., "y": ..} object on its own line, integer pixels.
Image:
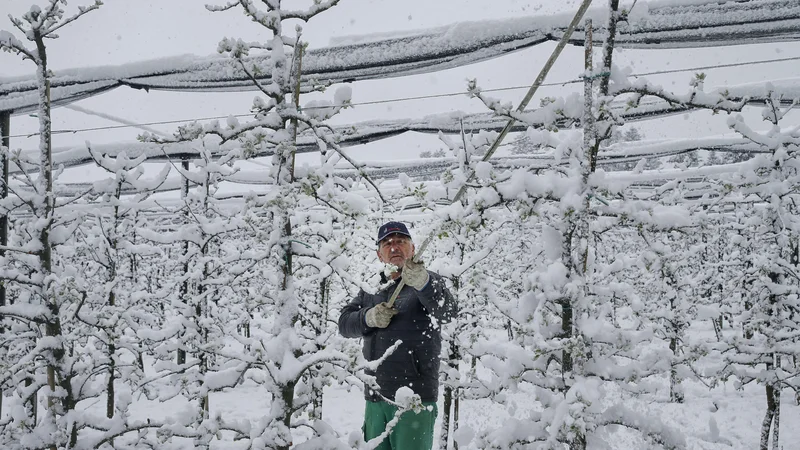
[
  {"x": 184, "y": 289},
  {"x": 5, "y": 141}
]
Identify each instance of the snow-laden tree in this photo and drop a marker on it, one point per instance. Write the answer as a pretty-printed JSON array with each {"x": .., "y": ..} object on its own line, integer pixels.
[
  {"x": 275, "y": 287},
  {"x": 204, "y": 268},
  {"x": 669, "y": 286},
  {"x": 115, "y": 302},
  {"x": 581, "y": 365},
  {"x": 44, "y": 356},
  {"x": 473, "y": 250},
  {"x": 765, "y": 351}
]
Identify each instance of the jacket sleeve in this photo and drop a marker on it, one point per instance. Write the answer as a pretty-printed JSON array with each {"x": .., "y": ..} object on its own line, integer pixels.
[
  {"x": 438, "y": 300},
  {"x": 352, "y": 320}
]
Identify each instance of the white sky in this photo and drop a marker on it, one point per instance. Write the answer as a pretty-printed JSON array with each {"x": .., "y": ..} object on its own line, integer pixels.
[{"x": 125, "y": 31}]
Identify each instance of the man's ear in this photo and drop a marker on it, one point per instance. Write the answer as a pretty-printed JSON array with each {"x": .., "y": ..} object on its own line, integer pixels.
[{"x": 378, "y": 252}]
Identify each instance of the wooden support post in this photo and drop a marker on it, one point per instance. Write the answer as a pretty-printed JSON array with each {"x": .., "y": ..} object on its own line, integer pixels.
[
  {"x": 184, "y": 291},
  {"x": 588, "y": 84},
  {"x": 5, "y": 141}
]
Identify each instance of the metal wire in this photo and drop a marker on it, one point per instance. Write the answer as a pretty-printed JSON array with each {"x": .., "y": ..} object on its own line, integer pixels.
[{"x": 411, "y": 98}]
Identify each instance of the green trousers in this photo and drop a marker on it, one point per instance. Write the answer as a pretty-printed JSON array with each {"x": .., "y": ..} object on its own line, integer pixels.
[{"x": 414, "y": 431}]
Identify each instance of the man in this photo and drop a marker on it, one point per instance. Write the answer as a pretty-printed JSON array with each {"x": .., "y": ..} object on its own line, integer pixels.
[{"x": 422, "y": 305}]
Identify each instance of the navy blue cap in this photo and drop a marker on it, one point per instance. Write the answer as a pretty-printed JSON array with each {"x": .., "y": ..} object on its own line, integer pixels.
[{"x": 392, "y": 228}]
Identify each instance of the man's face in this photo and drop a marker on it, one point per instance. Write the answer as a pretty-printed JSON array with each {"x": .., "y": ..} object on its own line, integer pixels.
[{"x": 395, "y": 249}]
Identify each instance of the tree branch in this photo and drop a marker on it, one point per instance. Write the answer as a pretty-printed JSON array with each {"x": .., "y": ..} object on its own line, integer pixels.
[{"x": 82, "y": 10}]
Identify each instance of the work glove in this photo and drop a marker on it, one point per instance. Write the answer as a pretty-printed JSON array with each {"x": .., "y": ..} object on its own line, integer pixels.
[
  {"x": 415, "y": 274},
  {"x": 380, "y": 315}
]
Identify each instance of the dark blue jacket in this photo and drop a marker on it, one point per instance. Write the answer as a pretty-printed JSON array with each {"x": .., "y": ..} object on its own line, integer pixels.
[{"x": 416, "y": 362}]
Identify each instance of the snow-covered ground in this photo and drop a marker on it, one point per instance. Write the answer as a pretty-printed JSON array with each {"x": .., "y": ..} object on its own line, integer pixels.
[{"x": 721, "y": 417}]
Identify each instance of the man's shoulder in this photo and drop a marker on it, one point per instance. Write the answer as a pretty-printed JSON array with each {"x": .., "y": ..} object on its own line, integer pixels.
[{"x": 435, "y": 276}]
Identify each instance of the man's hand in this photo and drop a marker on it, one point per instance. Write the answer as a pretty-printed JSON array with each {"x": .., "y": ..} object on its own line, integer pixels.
[
  {"x": 415, "y": 274},
  {"x": 380, "y": 315}
]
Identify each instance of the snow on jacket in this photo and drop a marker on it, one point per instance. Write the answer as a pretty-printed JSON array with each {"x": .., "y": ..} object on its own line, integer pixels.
[{"x": 415, "y": 363}]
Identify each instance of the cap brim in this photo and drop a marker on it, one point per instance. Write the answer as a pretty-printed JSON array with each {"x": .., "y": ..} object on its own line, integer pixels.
[{"x": 391, "y": 233}]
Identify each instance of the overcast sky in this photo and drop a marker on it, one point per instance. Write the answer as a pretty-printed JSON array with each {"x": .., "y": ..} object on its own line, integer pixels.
[{"x": 125, "y": 31}]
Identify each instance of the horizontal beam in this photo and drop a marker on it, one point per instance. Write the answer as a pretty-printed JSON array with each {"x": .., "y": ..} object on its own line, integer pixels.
[
  {"x": 626, "y": 152},
  {"x": 650, "y": 25},
  {"x": 371, "y": 131}
]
